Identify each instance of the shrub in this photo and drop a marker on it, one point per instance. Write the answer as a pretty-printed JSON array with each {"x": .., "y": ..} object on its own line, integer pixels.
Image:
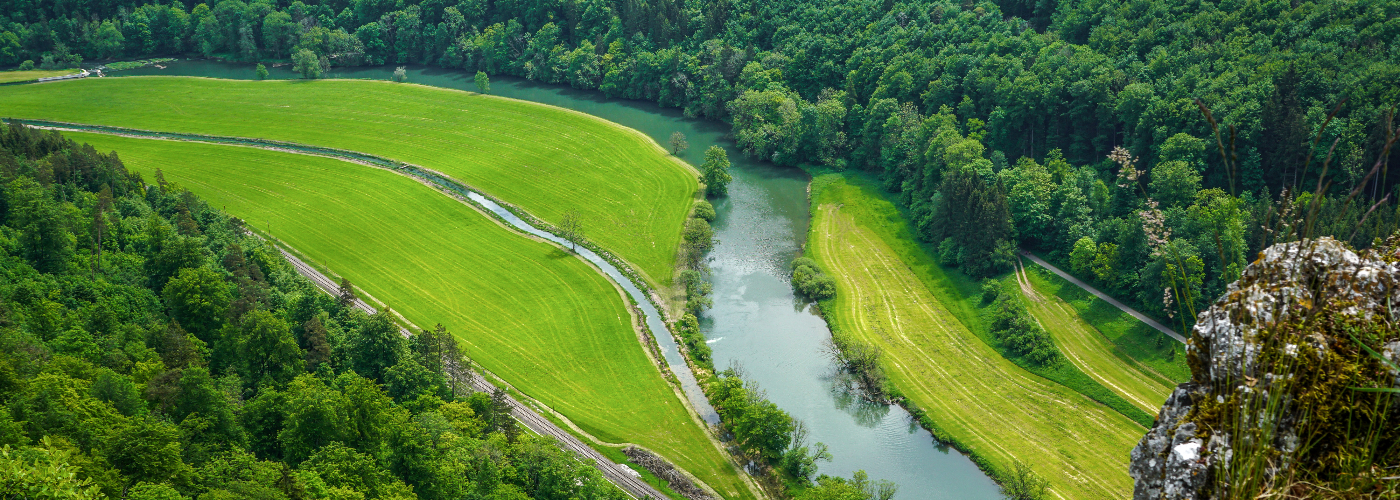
[
  {"x": 809, "y": 280},
  {"x": 819, "y": 287},
  {"x": 26, "y": 65},
  {"x": 705, "y": 211},
  {"x": 1081, "y": 258},
  {"x": 689, "y": 330},
  {"x": 991, "y": 289},
  {"x": 1020, "y": 334},
  {"x": 949, "y": 252}
]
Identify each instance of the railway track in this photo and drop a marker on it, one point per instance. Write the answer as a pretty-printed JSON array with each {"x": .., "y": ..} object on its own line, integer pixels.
[{"x": 624, "y": 477}]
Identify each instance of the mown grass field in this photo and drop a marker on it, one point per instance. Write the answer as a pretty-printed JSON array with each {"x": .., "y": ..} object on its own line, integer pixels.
[
  {"x": 994, "y": 408},
  {"x": 541, "y": 319},
  {"x": 1086, "y": 348},
  {"x": 1161, "y": 356},
  {"x": 631, "y": 197},
  {"x": 33, "y": 74}
]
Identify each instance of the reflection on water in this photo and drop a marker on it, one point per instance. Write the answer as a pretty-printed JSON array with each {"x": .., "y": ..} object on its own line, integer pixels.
[
  {"x": 846, "y": 392},
  {"x": 756, "y": 321}
]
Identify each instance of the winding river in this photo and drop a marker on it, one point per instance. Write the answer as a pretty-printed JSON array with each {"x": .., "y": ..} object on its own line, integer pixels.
[{"x": 756, "y": 322}]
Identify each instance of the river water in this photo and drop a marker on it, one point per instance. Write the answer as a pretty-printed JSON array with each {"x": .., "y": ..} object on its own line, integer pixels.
[{"x": 756, "y": 322}]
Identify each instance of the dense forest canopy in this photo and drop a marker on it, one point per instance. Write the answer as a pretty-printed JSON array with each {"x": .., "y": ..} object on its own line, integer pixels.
[
  {"x": 993, "y": 122},
  {"x": 150, "y": 349}
]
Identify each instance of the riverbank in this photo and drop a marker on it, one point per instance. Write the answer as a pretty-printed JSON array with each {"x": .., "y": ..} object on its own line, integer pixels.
[
  {"x": 888, "y": 295},
  {"x": 629, "y": 196},
  {"x": 587, "y": 372},
  {"x": 34, "y": 75},
  {"x": 756, "y": 322}
]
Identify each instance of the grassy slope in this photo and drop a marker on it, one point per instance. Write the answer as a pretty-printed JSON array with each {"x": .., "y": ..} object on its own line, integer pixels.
[
  {"x": 888, "y": 295},
  {"x": 632, "y": 199},
  {"x": 541, "y": 319},
  {"x": 1132, "y": 339},
  {"x": 1088, "y": 350},
  {"x": 35, "y": 74}
]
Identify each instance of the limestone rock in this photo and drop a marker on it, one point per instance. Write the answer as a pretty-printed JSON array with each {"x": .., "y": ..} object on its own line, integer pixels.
[{"x": 1175, "y": 460}]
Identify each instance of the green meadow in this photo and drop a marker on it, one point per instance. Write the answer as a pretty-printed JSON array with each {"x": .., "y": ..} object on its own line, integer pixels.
[
  {"x": 1140, "y": 345},
  {"x": 534, "y": 315},
  {"x": 1091, "y": 352},
  {"x": 630, "y": 196},
  {"x": 33, "y": 74},
  {"x": 891, "y": 294}
]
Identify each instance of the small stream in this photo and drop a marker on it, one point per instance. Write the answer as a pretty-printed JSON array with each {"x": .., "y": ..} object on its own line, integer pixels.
[{"x": 756, "y": 322}]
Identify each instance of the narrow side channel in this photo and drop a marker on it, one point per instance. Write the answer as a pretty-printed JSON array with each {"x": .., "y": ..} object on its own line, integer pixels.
[{"x": 514, "y": 216}]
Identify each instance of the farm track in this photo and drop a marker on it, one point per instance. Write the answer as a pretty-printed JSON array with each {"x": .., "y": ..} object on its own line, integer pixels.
[
  {"x": 619, "y": 475},
  {"x": 991, "y": 407},
  {"x": 1105, "y": 297},
  {"x": 1089, "y": 351}
]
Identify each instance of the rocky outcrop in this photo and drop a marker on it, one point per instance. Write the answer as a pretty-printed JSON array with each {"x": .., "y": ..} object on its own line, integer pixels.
[{"x": 1273, "y": 349}]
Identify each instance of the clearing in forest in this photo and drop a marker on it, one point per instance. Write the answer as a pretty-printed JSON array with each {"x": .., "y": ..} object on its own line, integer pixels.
[
  {"x": 539, "y": 318},
  {"x": 992, "y": 407},
  {"x": 1093, "y": 354},
  {"x": 631, "y": 197}
]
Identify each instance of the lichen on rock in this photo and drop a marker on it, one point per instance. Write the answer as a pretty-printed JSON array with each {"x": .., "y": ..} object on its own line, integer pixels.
[{"x": 1272, "y": 407}]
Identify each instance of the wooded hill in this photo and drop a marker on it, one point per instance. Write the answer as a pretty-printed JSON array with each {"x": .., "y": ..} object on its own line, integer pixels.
[
  {"x": 149, "y": 349},
  {"x": 1032, "y": 96}
]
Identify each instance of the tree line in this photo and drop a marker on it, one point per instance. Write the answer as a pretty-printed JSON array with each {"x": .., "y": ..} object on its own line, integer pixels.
[
  {"x": 991, "y": 121},
  {"x": 151, "y": 349}
]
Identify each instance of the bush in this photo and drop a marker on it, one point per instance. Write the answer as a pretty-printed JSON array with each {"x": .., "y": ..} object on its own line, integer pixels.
[
  {"x": 26, "y": 65},
  {"x": 689, "y": 330},
  {"x": 819, "y": 287},
  {"x": 697, "y": 291},
  {"x": 991, "y": 289},
  {"x": 705, "y": 211},
  {"x": 809, "y": 280},
  {"x": 699, "y": 235},
  {"x": 1020, "y": 334}
]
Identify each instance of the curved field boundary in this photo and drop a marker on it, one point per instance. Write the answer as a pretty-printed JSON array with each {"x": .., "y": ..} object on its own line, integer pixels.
[
  {"x": 432, "y": 177},
  {"x": 1089, "y": 351},
  {"x": 429, "y": 176},
  {"x": 979, "y": 401},
  {"x": 501, "y": 213},
  {"x": 620, "y": 475},
  {"x": 479, "y": 200},
  {"x": 631, "y": 198},
  {"x": 1105, "y": 297}
]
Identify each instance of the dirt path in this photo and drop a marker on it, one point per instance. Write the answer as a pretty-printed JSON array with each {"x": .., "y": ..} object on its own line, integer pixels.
[
  {"x": 622, "y": 476},
  {"x": 991, "y": 406},
  {"x": 1093, "y": 354},
  {"x": 1140, "y": 316}
]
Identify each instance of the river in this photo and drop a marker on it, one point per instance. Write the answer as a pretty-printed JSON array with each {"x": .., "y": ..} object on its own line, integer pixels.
[{"x": 756, "y": 322}]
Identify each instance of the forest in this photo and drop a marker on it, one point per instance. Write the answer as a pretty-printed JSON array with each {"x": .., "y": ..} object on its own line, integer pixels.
[
  {"x": 150, "y": 348},
  {"x": 1145, "y": 145}
]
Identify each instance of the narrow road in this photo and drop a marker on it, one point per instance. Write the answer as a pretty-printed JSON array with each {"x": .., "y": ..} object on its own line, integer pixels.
[
  {"x": 1140, "y": 316},
  {"x": 1091, "y": 352},
  {"x": 624, "y": 477}
]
